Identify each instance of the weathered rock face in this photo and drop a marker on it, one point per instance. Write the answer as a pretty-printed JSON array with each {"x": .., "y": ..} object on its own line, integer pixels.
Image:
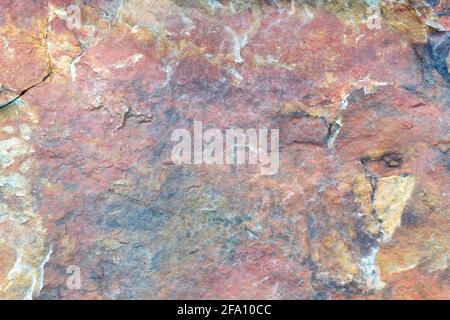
[{"x": 358, "y": 209}]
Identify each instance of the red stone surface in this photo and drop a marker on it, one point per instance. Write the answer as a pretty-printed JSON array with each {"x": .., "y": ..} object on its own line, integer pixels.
[{"x": 358, "y": 209}]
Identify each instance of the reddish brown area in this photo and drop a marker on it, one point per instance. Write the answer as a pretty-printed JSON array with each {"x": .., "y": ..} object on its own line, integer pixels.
[{"x": 139, "y": 226}]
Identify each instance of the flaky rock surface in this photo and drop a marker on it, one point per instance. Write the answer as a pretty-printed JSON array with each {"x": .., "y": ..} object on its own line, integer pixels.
[{"x": 359, "y": 208}]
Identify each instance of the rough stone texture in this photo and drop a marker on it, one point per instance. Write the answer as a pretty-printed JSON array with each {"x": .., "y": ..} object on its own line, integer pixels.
[{"x": 358, "y": 210}]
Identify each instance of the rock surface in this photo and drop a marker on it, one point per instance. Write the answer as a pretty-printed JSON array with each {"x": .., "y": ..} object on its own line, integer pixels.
[{"x": 358, "y": 210}]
